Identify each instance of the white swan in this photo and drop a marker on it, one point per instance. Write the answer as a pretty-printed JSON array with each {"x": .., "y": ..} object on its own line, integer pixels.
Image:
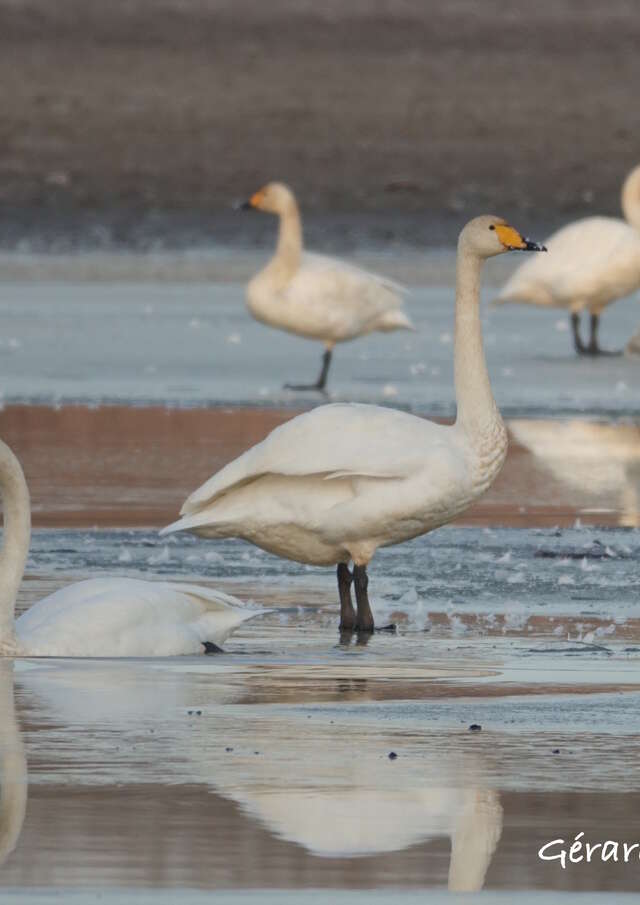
[
  {"x": 316, "y": 296},
  {"x": 101, "y": 617},
  {"x": 334, "y": 484},
  {"x": 590, "y": 264}
]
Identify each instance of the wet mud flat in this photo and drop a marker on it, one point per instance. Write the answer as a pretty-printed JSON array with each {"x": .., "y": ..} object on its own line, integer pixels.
[{"x": 130, "y": 466}]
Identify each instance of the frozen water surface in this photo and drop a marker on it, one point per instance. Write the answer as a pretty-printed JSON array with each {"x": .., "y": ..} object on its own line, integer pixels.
[
  {"x": 195, "y": 344},
  {"x": 589, "y": 575}
]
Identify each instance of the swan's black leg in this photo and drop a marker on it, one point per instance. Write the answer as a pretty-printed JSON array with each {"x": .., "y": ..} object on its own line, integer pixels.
[
  {"x": 580, "y": 347},
  {"x": 321, "y": 382},
  {"x": 347, "y": 612},
  {"x": 364, "y": 621},
  {"x": 594, "y": 348}
]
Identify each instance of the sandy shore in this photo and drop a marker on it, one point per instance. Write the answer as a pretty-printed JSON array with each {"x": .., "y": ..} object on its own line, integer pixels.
[{"x": 125, "y": 466}]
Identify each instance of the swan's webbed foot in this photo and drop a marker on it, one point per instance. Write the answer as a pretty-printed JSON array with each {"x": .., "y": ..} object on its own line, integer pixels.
[
  {"x": 364, "y": 620},
  {"x": 390, "y": 629},
  {"x": 211, "y": 648},
  {"x": 321, "y": 383}
]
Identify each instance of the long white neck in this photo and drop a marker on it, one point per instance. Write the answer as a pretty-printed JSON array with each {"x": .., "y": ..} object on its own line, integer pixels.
[
  {"x": 477, "y": 410},
  {"x": 631, "y": 198},
  {"x": 286, "y": 260},
  {"x": 16, "y": 513}
]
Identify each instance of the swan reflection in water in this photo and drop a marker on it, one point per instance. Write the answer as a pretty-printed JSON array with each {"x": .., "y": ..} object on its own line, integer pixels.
[
  {"x": 333, "y": 792},
  {"x": 593, "y": 460},
  {"x": 339, "y": 805},
  {"x": 366, "y": 822},
  {"x": 13, "y": 767}
]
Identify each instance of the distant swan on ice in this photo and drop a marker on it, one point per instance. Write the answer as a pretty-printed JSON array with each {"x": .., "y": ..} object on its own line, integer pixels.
[
  {"x": 314, "y": 295},
  {"x": 591, "y": 263},
  {"x": 101, "y": 617},
  {"x": 334, "y": 484}
]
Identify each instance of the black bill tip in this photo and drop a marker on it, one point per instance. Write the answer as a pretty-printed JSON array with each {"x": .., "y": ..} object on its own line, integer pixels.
[{"x": 529, "y": 245}]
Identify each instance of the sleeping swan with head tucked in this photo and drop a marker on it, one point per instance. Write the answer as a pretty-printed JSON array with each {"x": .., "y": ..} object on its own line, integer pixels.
[{"x": 101, "y": 617}]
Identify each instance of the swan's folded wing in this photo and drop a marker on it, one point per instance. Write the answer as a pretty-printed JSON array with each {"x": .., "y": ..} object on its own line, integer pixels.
[
  {"x": 332, "y": 440},
  {"x": 321, "y": 264},
  {"x": 207, "y": 598},
  {"x": 334, "y": 291}
]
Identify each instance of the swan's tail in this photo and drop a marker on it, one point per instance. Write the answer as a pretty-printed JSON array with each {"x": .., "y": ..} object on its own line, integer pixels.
[
  {"x": 187, "y": 523},
  {"x": 523, "y": 294},
  {"x": 395, "y": 320}
]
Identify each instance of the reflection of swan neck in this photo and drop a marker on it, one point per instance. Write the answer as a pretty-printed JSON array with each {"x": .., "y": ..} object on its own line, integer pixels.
[
  {"x": 16, "y": 512},
  {"x": 477, "y": 410},
  {"x": 13, "y": 767},
  {"x": 474, "y": 841},
  {"x": 631, "y": 198},
  {"x": 286, "y": 260}
]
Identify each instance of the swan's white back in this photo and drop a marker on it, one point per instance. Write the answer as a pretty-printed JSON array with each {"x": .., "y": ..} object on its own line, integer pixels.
[
  {"x": 127, "y": 617},
  {"x": 589, "y": 264}
]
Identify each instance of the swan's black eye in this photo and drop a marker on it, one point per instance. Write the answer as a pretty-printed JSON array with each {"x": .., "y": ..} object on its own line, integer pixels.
[{"x": 492, "y": 226}]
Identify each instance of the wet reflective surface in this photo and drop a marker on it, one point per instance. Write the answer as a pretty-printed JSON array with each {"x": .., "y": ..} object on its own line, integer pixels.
[
  {"x": 268, "y": 766},
  {"x": 120, "y": 465}
]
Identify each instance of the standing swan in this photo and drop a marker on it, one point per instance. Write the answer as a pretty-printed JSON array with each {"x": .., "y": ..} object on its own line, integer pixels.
[
  {"x": 102, "y": 617},
  {"x": 591, "y": 263},
  {"x": 338, "y": 482},
  {"x": 313, "y": 295}
]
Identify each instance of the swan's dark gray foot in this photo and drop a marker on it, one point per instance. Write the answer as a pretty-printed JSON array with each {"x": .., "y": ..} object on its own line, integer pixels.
[
  {"x": 321, "y": 382},
  {"x": 211, "y": 648},
  {"x": 579, "y": 346},
  {"x": 347, "y": 612},
  {"x": 594, "y": 348},
  {"x": 364, "y": 620}
]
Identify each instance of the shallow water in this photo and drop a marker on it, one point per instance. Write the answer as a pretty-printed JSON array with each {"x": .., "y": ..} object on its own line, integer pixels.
[
  {"x": 195, "y": 344},
  {"x": 457, "y": 579},
  {"x": 267, "y": 767},
  {"x": 175, "y": 774}
]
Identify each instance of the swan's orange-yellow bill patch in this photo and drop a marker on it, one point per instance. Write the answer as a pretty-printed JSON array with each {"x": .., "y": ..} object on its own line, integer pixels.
[
  {"x": 256, "y": 198},
  {"x": 509, "y": 236}
]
